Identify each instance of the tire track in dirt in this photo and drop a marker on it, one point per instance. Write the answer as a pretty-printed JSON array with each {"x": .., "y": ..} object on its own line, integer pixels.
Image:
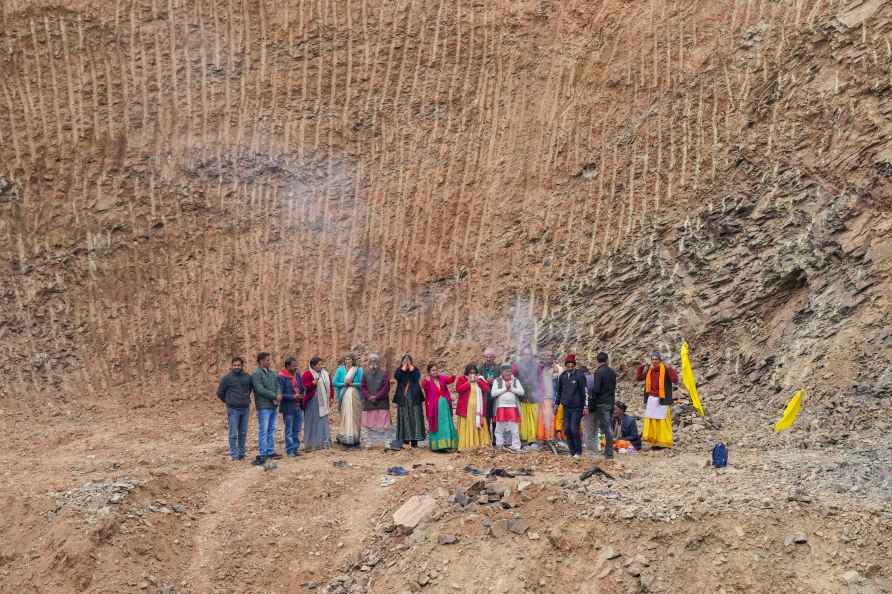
[{"x": 218, "y": 511}]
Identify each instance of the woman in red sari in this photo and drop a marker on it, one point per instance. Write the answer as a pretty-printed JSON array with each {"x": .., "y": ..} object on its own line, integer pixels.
[
  {"x": 442, "y": 436},
  {"x": 473, "y": 427}
]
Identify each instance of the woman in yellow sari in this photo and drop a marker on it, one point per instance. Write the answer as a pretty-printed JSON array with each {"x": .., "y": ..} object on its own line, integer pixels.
[
  {"x": 658, "y": 380},
  {"x": 473, "y": 428}
]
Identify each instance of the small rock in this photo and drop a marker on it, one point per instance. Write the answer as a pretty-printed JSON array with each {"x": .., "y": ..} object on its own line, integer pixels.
[
  {"x": 533, "y": 535},
  {"x": 423, "y": 580},
  {"x": 461, "y": 498},
  {"x": 795, "y": 538},
  {"x": 608, "y": 554},
  {"x": 495, "y": 489},
  {"x": 447, "y": 539},
  {"x": 483, "y": 499},
  {"x": 852, "y": 578},
  {"x": 634, "y": 569},
  {"x": 116, "y": 498},
  {"x": 417, "y": 508},
  {"x": 605, "y": 572},
  {"x": 523, "y": 485},
  {"x": 517, "y": 526}
]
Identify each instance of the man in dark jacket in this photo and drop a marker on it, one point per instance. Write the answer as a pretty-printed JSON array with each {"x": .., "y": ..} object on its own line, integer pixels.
[
  {"x": 292, "y": 389},
  {"x": 600, "y": 406},
  {"x": 235, "y": 391},
  {"x": 267, "y": 395},
  {"x": 571, "y": 393}
]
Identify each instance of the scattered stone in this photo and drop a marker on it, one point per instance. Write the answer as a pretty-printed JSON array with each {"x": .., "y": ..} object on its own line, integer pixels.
[
  {"x": 800, "y": 496},
  {"x": 608, "y": 554},
  {"x": 461, "y": 498},
  {"x": 634, "y": 569},
  {"x": 852, "y": 578},
  {"x": 605, "y": 572},
  {"x": 523, "y": 485},
  {"x": 495, "y": 489},
  {"x": 476, "y": 488},
  {"x": 447, "y": 539},
  {"x": 795, "y": 538},
  {"x": 417, "y": 508},
  {"x": 483, "y": 499},
  {"x": 517, "y": 526},
  {"x": 423, "y": 580},
  {"x": 533, "y": 535}
]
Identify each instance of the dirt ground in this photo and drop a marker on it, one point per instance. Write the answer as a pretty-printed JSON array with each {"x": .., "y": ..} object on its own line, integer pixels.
[{"x": 154, "y": 504}]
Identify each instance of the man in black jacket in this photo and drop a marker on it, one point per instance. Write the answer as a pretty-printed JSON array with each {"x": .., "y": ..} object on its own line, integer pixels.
[
  {"x": 235, "y": 391},
  {"x": 603, "y": 394},
  {"x": 571, "y": 393}
]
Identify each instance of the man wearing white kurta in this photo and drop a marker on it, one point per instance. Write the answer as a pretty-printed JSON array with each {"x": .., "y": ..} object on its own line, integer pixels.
[{"x": 505, "y": 391}]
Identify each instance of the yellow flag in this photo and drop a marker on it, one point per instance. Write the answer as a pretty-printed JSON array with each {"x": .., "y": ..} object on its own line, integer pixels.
[
  {"x": 687, "y": 378},
  {"x": 791, "y": 412}
]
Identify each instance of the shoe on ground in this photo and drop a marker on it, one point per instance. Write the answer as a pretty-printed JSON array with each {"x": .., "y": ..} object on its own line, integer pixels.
[
  {"x": 258, "y": 461},
  {"x": 293, "y": 454},
  {"x": 576, "y": 456},
  {"x": 274, "y": 457}
]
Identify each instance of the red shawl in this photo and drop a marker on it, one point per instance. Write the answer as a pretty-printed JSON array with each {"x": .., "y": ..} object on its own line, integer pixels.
[
  {"x": 433, "y": 391},
  {"x": 463, "y": 387}
]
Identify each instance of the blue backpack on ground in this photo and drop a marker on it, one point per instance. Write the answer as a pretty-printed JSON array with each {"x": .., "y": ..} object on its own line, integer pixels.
[{"x": 719, "y": 455}]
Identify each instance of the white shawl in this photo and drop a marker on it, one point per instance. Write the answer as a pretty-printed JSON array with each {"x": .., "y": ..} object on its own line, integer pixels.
[
  {"x": 323, "y": 391},
  {"x": 480, "y": 410}
]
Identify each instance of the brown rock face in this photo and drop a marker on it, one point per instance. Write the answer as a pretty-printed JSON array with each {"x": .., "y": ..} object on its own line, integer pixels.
[{"x": 183, "y": 182}]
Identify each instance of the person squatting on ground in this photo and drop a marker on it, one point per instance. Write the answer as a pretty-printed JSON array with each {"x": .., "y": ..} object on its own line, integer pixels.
[
  {"x": 625, "y": 429},
  {"x": 572, "y": 395},
  {"x": 235, "y": 391},
  {"x": 601, "y": 399},
  {"x": 506, "y": 391},
  {"x": 292, "y": 390},
  {"x": 267, "y": 395}
]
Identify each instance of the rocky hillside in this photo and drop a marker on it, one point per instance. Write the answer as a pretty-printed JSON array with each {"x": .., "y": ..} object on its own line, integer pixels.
[{"x": 181, "y": 181}]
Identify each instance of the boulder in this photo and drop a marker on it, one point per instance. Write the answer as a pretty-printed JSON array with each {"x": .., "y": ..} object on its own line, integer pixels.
[{"x": 413, "y": 511}]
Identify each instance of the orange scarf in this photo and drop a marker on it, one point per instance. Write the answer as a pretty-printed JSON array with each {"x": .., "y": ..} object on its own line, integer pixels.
[{"x": 661, "y": 390}]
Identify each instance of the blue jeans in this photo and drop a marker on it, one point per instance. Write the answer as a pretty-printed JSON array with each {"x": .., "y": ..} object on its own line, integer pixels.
[
  {"x": 292, "y": 429},
  {"x": 238, "y": 428},
  {"x": 572, "y": 429},
  {"x": 266, "y": 432}
]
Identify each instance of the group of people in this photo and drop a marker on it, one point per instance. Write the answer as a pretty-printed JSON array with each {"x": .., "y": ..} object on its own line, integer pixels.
[{"x": 532, "y": 400}]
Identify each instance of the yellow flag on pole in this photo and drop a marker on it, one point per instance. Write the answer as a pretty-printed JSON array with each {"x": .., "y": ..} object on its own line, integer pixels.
[
  {"x": 687, "y": 378},
  {"x": 791, "y": 412}
]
